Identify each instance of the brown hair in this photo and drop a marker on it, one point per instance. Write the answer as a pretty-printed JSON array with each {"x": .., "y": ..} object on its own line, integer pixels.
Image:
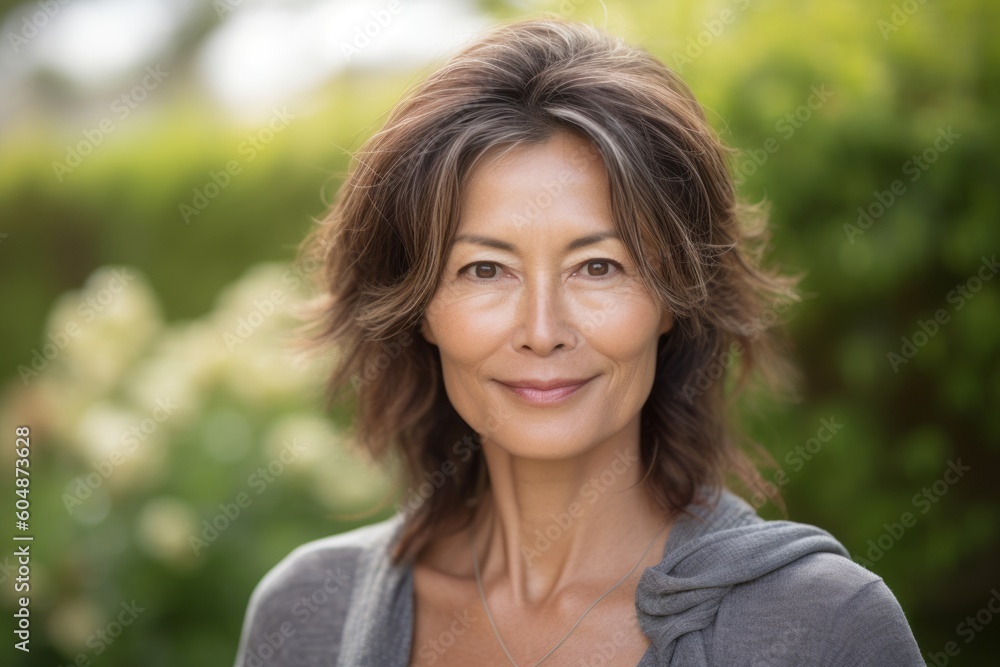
[{"x": 385, "y": 241}]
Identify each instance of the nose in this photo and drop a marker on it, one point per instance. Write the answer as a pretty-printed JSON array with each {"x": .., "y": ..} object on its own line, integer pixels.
[{"x": 544, "y": 318}]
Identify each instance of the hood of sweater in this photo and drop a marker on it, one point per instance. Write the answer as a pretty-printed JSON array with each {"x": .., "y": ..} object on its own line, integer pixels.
[
  {"x": 720, "y": 544},
  {"x": 724, "y": 544}
]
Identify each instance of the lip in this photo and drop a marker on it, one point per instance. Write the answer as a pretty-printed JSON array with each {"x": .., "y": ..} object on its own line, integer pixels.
[{"x": 557, "y": 391}]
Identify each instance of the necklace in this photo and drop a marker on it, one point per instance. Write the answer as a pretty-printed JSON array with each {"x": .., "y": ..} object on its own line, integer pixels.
[{"x": 482, "y": 596}]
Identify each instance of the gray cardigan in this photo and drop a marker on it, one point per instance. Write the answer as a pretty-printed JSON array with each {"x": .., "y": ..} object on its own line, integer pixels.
[{"x": 732, "y": 589}]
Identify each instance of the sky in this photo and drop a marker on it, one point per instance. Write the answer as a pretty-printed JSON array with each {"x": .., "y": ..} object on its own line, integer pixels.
[{"x": 262, "y": 52}]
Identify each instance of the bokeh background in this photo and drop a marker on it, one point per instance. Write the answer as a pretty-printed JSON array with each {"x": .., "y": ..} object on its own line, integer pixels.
[{"x": 161, "y": 160}]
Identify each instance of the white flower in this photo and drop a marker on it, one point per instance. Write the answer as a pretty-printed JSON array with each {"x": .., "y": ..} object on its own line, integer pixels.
[
  {"x": 114, "y": 316},
  {"x": 121, "y": 449},
  {"x": 71, "y": 622},
  {"x": 163, "y": 529},
  {"x": 315, "y": 439},
  {"x": 187, "y": 360},
  {"x": 254, "y": 323}
]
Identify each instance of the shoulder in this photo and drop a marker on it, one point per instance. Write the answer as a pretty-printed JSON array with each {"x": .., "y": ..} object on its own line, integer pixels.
[
  {"x": 821, "y": 609},
  {"x": 797, "y": 597},
  {"x": 300, "y": 605}
]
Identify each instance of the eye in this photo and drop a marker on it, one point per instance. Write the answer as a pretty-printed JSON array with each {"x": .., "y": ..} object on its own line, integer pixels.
[
  {"x": 604, "y": 267},
  {"x": 493, "y": 270},
  {"x": 477, "y": 274}
]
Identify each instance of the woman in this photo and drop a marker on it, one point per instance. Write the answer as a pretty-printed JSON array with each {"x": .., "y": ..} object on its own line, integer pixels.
[{"x": 537, "y": 279}]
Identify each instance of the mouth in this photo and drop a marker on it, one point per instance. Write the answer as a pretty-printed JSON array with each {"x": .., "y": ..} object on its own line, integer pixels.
[{"x": 546, "y": 397}]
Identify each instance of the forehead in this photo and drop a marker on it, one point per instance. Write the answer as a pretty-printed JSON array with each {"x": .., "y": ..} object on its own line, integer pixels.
[
  {"x": 557, "y": 185},
  {"x": 564, "y": 154}
]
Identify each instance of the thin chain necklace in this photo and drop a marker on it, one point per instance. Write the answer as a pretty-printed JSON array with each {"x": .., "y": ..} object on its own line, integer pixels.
[{"x": 482, "y": 596}]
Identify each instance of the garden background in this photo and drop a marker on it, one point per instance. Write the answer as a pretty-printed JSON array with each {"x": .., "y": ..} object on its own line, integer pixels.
[{"x": 160, "y": 161}]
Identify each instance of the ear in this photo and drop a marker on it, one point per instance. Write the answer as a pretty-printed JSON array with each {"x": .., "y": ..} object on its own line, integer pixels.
[
  {"x": 425, "y": 331},
  {"x": 666, "y": 322}
]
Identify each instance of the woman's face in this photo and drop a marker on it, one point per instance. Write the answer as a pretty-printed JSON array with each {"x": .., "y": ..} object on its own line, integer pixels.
[{"x": 537, "y": 287}]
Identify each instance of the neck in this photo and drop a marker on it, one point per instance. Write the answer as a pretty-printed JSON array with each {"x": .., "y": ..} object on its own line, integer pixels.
[{"x": 546, "y": 525}]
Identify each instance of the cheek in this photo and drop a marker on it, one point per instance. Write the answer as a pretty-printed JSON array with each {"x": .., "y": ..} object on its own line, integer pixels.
[
  {"x": 468, "y": 328},
  {"x": 627, "y": 338},
  {"x": 465, "y": 351},
  {"x": 622, "y": 327},
  {"x": 468, "y": 331}
]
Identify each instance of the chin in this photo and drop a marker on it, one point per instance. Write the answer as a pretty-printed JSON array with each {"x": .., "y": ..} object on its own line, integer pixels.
[{"x": 551, "y": 444}]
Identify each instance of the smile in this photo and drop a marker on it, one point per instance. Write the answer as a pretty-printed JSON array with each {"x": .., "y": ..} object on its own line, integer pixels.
[{"x": 545, "y": 397}]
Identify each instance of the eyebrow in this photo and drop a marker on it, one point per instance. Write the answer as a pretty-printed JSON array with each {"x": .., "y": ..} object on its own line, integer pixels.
[{"x": 490, "y": 242}]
